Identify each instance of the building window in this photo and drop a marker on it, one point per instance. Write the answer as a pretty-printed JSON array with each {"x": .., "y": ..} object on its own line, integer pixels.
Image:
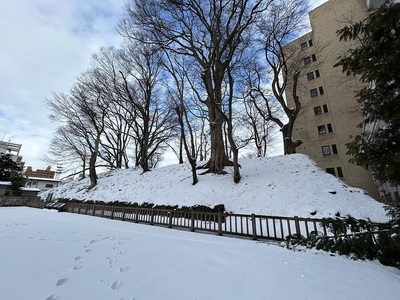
[
  {"x": 307, "y": 60},
  {"x": 49, "y": 185},
  {"x": 304, "y": 45},
  {"x": 321, "y": 129},
  {"x": 314, "y": 93},
  {"x": 329, "y": 127},
  {"x": 310, "y": 76},
  {"x": 317, "y": 110},
  {"x": 331, "y": 171},
  {"x": 334, "y": 150},
  {"x": 310, "y": 43},
  {"x": 326, "y": 150},
  {"x": 339, "y": 172},
  {"x": 321, "y": 90},
  {"x": 325, "y": 107},
  {"x": 317, "y": 73},
  {"x": 313, "y": 57}
]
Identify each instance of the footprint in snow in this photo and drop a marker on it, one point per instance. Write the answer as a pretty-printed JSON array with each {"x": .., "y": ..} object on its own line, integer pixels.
[
  {"x": 124, "y": 269},
  {"x": 111, "y": 261},
  {"x": 77, "y": 268},
  {"x": 78, "y": 258},
  {"x": 53, "y": 297},
  {"x": 61, "y": 281},
  {"x": 88, "y": 250},
  {"x": 116, "y": 285}
]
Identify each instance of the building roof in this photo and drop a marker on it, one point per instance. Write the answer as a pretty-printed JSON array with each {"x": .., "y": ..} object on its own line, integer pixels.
[
  {"x": 28, "y": 189},
  {"x": 44, "y": 179}
]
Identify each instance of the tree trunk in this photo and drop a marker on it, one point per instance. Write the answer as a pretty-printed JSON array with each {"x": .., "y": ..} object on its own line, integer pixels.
[
  {"x": 181, "y": 141},
  {"x": 218, "y": 158},
  {"x": 289, "y": 146},
  {"x": 92, "y": 164},
  {"x": 190, "y": 154}
]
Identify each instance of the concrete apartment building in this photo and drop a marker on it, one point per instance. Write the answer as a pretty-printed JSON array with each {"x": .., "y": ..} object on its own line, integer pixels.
[
  {"x": 330, "y": 113},
  {"x": 13, "y": 149}
]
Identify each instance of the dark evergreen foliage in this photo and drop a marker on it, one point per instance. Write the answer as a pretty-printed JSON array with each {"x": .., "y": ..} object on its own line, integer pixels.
[
  {"x": 194, "y": 208},
  {"x": 10, "y": 171},
  {"x": 360, "y": 239},
  {"x": 376, "y": 60}
]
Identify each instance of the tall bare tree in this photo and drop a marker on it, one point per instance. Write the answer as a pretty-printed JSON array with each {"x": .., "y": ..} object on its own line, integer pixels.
[
  {"x": 211, "y": 32},
  {"x": 83, "y": 109},
  {"x": 118, "y": 118},
  {"x": 282, "y": 22},
  {"x": 177, "y": 91},
  {"x": 140, "y": 90},
  {"x": 68, "y": 149}
]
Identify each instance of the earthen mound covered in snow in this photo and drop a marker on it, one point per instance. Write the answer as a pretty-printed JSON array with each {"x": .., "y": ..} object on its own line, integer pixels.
[{"x": 291, "y": 185}]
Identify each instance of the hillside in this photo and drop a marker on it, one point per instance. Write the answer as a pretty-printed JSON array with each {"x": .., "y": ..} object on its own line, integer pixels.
[{"x": 284, "y": 185}]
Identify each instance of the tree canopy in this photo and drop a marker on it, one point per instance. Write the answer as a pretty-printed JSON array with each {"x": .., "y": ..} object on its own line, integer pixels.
[
  {"x": 10, "y": 171},
  {"x": 376, "y": 60}
]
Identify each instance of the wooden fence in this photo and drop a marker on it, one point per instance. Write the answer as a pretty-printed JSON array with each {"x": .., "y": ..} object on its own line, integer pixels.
[
  {"x": 21, "y": 201},
  {"x": 252, "y": 226}
]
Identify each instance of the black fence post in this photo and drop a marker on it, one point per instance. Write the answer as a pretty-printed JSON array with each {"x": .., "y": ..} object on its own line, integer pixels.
[
  {"x": 192, "y": 221},
  {"x": 152, "y": 217},
  {"x": 112, "y": 212},
  {"x": 170, "y": 219},
  {"x": 219, "y": 223},
  {"x": 136, "y": 215},
  {"x": 253, "y": 224},
  {"x": 297, "y": 225}
]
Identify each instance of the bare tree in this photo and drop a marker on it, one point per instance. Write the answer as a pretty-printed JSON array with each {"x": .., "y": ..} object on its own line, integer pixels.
[
  {"x": 211, "y": 32},
  {"x": 83, "y": 110},
  {"x": 140, "y": 90},
  {"x": 118, "y": 120},
  {"x": 93, "y": 105},
  {"x": 260, "y": 130},
  {"x": 283, "y": 21},
  {"x": 177, "y": 69},
  {"x": 66, "y": 148}
]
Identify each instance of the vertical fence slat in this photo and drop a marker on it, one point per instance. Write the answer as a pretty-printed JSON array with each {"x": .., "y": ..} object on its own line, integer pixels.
[
  {"x": 297, "y": 225},
  {"x": 253, "y": 224}
]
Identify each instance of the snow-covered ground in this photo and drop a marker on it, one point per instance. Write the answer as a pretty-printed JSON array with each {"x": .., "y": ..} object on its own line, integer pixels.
[
  {"x": 282, "y": 186},
  {"x": 46, "y": 255}
]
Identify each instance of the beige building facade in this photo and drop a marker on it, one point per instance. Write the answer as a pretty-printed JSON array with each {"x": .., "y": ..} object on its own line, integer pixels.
[{"x": 330, "y": 113}]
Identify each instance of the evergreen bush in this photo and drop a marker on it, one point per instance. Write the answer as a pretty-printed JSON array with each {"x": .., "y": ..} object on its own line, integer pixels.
[{"x": 359, "y": 239}]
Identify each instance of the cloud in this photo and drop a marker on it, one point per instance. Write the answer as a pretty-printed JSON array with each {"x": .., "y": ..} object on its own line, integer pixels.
[{"x": 45, "y": 46}]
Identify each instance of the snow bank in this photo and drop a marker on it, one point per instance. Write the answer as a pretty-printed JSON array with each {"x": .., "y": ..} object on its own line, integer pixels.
[{"x": 284, "y": 186}]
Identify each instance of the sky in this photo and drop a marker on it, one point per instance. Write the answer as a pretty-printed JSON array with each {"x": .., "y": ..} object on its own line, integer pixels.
[{"x": 45, "y": 45}]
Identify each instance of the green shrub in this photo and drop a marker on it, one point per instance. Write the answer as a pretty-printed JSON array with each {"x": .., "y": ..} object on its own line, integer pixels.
[{"x": 360, "y": 239}]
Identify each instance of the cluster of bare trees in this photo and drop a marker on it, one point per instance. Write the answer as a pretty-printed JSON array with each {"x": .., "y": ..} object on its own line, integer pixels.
[{"x": 204, "y": 77}]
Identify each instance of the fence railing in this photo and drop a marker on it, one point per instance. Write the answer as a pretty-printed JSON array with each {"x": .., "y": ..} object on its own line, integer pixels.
[
  {"x": 21, "y": 201},
  {"x": 252, "y": 226}
]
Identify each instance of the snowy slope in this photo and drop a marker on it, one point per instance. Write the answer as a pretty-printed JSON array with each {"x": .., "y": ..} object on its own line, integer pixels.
[
  {"x": 46, "y": 255},
  {"x": 284, "y": 186}
]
